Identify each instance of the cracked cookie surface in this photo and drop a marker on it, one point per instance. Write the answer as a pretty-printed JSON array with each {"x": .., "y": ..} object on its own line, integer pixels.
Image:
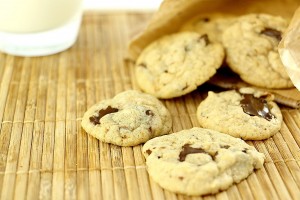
[
  {"x": 128, "y": 119},
  {"x": 247, "y": 114},
  {"x": 212, "y": 24},
  {"x": 176, "y": 64},
  {"x": 251, "y": 45},
  {"x": 199, "y": 161}
]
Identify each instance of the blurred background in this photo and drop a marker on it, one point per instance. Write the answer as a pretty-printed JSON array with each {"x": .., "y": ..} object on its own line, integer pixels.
[{"x": 109, "y": 5}]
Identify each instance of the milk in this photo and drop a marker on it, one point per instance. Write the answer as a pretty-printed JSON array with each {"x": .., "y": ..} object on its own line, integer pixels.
[
  {"x": 36, "y": 15},
  {"x": 38, "y": 27}
]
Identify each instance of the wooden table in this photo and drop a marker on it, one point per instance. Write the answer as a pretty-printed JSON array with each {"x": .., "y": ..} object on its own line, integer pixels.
[{"x": 45, "y": 154}]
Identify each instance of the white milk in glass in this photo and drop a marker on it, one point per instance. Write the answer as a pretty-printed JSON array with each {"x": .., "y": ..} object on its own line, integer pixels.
[{"x": 38, "y": 27}]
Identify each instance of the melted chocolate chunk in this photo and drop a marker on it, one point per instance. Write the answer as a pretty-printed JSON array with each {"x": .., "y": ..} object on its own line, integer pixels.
[
  {"x": 256, "y": 107},
  {"x": 272, "y": 33},
  {"x": 187, "y": 149},
  {"x": 96, "y": 119}
]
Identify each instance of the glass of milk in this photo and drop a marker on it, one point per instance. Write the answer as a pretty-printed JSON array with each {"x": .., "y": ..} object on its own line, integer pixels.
[{"x": 38, "y": 27}]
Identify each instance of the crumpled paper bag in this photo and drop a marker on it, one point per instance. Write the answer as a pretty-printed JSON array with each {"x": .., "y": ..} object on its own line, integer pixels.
[{"x": 289, "y": 49}]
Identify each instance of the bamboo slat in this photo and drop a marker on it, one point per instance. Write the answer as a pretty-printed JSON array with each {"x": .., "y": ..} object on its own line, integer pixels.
[{"x": 45, "y": 154}]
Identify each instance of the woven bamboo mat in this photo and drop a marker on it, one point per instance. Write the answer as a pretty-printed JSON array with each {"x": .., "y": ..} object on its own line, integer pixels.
[{"x": 44, "y": 153}]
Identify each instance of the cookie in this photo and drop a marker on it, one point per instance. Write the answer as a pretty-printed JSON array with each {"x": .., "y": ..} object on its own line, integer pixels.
[
  {"x": 246, "y": 114},
  {"x": 199, "y": 161},
  {"x": 212, "y": 24},
  {"x": 128, "y": 119},
  {"x": 176, "y": 64},
  {"x": 251, "y": 46}
]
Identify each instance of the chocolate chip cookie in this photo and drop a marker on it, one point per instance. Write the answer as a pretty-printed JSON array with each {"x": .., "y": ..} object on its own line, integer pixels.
[
  {"x": 212, "y": 24},
  {"x": 199, "y": 161},
  {"x": 251, "y": 46},
  {"x": 246, "y": 114},
  {"x": 176, "y": 64},
  {"x": 128, "y": 119}
]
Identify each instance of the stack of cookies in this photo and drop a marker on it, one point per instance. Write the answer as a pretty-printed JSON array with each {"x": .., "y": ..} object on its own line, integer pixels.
[
  {"x": 213, "y": 156},
  {"x": 176, "y": 64}
]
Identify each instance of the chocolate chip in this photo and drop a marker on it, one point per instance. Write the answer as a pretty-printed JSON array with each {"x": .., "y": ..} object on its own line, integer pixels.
[
  {"x": 149, "y": 112},
  {"x": 181, "y": 178},
  {"x": 245, "y": 150},
  {"x": 187, "y": 149},
  {"x": 95, "y": 119},
  {"x": 151, "y": 133},
  {"x": 225, "y": 146},
  {"x": 185, "y": 87},
  {"x": 205, "y": 19},
  {"x": 142, "y": 65},
  {"x": 148, "y": 151},
  {"x": 205, "y": 38},
  {"x": 213, "y": 156},
  {"x": 256, "y": 107},
  {"x": 187, "y": 48},
  {"x": 124, "y": 137},
  {"x": 272, "y": 33}
]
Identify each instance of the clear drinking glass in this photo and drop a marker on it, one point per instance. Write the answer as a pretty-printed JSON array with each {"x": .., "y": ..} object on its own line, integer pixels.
[{"x": 38, "y": 27}]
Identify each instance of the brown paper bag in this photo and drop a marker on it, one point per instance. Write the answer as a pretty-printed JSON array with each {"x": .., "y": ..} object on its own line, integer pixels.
[{"x": 173, "y": 13}]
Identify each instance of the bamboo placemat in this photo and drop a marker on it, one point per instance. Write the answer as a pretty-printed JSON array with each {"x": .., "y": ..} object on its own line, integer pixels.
[{"x": 44, "y": 153}]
